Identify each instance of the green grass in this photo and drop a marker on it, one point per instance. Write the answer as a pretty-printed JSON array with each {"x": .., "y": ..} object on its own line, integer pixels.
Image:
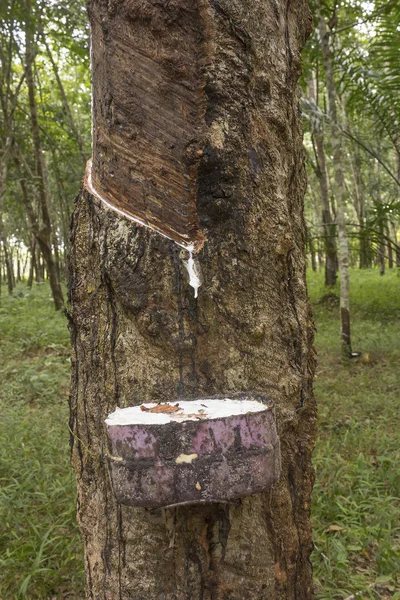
[
  {"x": 40, "y": 550},
  {"x": 356, "y": 506},
  {"x": 357, "y": 458}
]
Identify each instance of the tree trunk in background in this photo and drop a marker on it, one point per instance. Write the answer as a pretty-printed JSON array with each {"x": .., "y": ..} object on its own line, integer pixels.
[
  {"x": 311, "y": 245},
  {"x": 139, "y": 334},
  {"x": 43, "y": 236},
  {"x": 32, "y": 251},
  {"x": 360, "y": 208},
  {"x": 381, "y": 250},
  {"x": 389, "y": 245},
  {"x": 9, "y": 265},
  {"x": 57, "y": 256},
  {"x": 64, "y": 212},
  {"x": 339, "y": 190},
  {"x": 38, "y": 267},
  {"x": 18, "y": 257},
  {"x": 382, "y": 220},
  {"x": 397, "y": 242},
  {"x": 331, "y": 259}
]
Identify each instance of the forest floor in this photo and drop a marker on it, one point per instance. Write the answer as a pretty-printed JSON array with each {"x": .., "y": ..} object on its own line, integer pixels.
[{"x": 356, "y": 507}]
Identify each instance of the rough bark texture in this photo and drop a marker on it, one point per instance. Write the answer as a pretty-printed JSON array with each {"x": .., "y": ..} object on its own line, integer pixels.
[{"x": 139, "y": 334}]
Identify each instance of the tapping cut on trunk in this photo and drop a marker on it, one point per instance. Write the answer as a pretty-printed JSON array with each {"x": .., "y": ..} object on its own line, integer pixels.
[{"x": 148, "y": 115}]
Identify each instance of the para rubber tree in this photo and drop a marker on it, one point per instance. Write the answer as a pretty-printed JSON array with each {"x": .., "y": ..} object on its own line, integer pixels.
[
  {"x": 339, "y": 188},
  {"x": 197, "y": 127},
  {"x": 321, "y": 172}
]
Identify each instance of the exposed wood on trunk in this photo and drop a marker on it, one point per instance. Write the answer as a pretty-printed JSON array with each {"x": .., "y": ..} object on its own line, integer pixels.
[{"x": 148, "y": 111}]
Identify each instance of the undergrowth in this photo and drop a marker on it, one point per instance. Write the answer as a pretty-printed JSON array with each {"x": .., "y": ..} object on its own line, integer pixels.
[
  {"x": 356, "y": 506},
  {"x": 356, "y": 501},
  {"x": 40, "y": 550}
]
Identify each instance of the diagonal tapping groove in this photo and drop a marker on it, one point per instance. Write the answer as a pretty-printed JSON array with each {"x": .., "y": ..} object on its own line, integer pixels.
[{"x": 148, "y": 114}]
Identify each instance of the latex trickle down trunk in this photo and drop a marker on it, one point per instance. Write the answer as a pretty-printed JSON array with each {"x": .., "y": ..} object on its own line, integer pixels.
[{"x": 160, "y": 71}]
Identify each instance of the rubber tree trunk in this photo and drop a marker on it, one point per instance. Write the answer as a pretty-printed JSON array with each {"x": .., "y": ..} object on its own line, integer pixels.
[
  {"x": 361, "y": 209},
  {"x": 389, "y": 245},
  {"x": 381, "y": 223},
  {"x": 32, "y": 262},
  {"x": 331, "y": 258},
  {"x": 311, "y": 246},
  {"x": 9, "y": 265},
  {"x": 382, "y": 247},
  {"x": 339, "y": 190},
  {"x": 397, "y": 252},
  {"x": 138, "y": 332}
]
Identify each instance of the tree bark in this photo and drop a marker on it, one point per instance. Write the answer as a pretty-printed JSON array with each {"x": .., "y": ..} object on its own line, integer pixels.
[
  {"x": 9, "y": 265},
  {"x": 389, "y": 245},
  {"x": 139, "y": 334},
  {"x": 331, "y": 259},
  {"x": 361, "y": 209},
  {"x": 32, "y": 262},
  {"x": 339, "y": 190},
  {"x": 382, "y": 221}
]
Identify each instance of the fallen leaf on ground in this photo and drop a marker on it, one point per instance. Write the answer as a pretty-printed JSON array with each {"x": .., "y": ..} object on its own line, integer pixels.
[{"x": 334, "y": 528}]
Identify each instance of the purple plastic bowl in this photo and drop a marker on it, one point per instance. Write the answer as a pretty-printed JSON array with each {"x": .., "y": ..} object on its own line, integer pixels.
[{"x": 193, "y": 461}]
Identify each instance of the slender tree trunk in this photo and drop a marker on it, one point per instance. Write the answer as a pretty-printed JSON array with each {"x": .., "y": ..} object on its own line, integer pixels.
[
  {"x": 64, "y": 213},
  {"x": 389, "y": 246},
  {"x": 9, "y": 265},
  {"x": 139, "y": 333},
  {"x": 397, "y": 242},
  {"x": 339, "y": 190},
  {"x": 331, "y": 259},
  {"x": 381, "y": 249},
  {"x": 311, "y": 246},
  {"x": 38, "y": 267},
  {"x": 57, "y": 256},
  {"x": 24, "y": 265},
  {"x": 382, "y": 222},
  {"x": 45, "y": 232},
  {"x": 32, "y": 263},
  {"x": 361, "y": 211},
  {"x": 19, "y": 278}
]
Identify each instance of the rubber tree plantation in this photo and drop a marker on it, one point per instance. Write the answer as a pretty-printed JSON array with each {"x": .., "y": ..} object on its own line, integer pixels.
[{"x": 187, "y": 280}]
